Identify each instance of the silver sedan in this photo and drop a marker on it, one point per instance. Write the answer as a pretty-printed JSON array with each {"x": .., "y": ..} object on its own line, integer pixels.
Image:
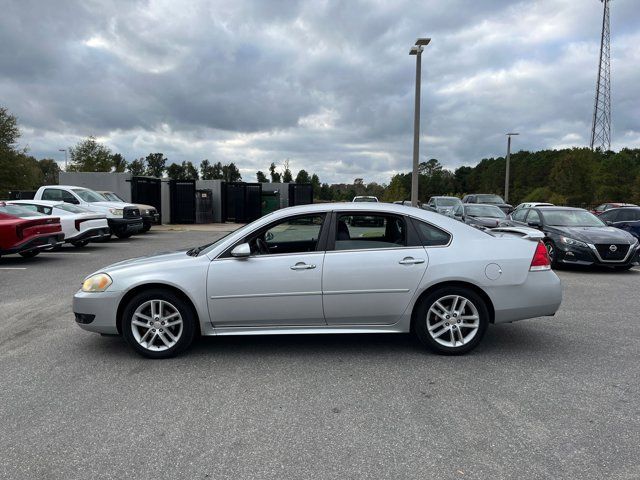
[{"x": 328, "y": 268}]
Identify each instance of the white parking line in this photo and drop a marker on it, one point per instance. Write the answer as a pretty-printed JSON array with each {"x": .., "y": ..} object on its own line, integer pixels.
[{"x": 13, "y": 268}]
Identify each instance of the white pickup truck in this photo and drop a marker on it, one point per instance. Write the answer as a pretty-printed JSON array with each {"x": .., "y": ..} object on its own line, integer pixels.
[{"x": 123, "y": 218}]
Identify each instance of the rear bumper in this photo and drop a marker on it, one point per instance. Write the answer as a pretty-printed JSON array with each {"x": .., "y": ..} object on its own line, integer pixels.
[
  {"x": 539, "y": 296},
  {"x": 129, "y": 225},
  {"x": 97, "y": 312},
  {"x": 90, "y": 234},
  {"x": 48, "y": 240}
]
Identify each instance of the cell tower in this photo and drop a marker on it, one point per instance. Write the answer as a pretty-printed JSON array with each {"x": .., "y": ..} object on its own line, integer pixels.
[{"x": 601, "y": 126}]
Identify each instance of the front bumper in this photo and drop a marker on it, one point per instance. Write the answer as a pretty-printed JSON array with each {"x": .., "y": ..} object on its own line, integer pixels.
[
  {"x": 129, "y": 225},
  {"x": 99, "y": 309},
  {"x": 577, "y": 255},
  {"x": 539, "y": 296},
  {"x": 151, "y": 219}
]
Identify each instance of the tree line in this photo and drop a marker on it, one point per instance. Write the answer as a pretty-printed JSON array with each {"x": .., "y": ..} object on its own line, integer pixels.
[{"x": 576, "y": 176}]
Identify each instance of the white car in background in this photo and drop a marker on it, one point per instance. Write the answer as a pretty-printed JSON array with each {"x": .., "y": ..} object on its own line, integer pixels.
[
  {"x": 365, "y": 198},
  {"x": 123, "y": 218},
  {"x": 79, "y": 225}
]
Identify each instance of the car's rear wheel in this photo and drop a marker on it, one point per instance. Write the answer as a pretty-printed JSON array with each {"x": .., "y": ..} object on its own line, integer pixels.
[
  {"x": 451, "y": 320},
  {"x": 158, "y": 324},
  {"x": 30, "y": 253},
  {"x": 122, "y": 235}
]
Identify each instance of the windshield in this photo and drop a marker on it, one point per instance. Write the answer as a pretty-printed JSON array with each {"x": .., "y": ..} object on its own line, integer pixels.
[
  {"x": 112, "y": 197},
  {"x": 365, "y": 199},
  {"x": 67, "y": 207},
  {"x": 88, "y": 195},
  {"x": 447, "y": 202},
  {"x": 18, "y": 211},
  {"x": 484, "y": 211},
  {"x": 571, "y": 218},
  {"x": 490, "y": 199}
]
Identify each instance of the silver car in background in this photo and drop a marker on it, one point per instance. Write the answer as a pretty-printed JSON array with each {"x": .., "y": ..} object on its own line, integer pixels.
[{"x": 317, "y": 269}]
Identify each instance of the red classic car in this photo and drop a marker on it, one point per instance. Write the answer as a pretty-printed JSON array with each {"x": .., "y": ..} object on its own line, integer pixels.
[{"x": 27, "y": 236}]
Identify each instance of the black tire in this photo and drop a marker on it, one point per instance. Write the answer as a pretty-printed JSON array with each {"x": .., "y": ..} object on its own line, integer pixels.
[
  {"x": 422, "y": 311},
  {"x": 30, "y": 253},
  {"x": 623, "y": 268},
  {"x": 122, "y": 235},
  {"x": 188, "y": 323},
  {"x": 553, "y": 255},
  {"x": 80, "y": 243},
  {"x": 146, "y": 228}
]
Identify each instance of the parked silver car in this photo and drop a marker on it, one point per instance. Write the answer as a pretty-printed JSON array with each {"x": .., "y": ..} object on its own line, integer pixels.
[{"x": 306, "y": 270}]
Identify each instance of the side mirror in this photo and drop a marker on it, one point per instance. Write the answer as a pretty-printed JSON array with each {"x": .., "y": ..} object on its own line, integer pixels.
[{"x": 241, "y": 251}]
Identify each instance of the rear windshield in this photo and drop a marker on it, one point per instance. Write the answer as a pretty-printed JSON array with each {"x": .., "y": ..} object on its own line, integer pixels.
[
  {"x": 571, "y": 218},
  {"x": 365, "y": 199},
  {"x": 18, "y": 211},
  {"x": 490, "y": 199},
  {"x": 448, "y": 202},
  {"x": 484, "y": 211}
]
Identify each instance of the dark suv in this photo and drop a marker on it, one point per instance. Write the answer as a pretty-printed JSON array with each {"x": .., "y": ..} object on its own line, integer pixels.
[
  {"x": 489, "y": 199},
  {"x": 627, "y": 218}
]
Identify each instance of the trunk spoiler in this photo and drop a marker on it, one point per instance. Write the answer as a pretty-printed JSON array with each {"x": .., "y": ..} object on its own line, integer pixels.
[{"x": 524, "y": 232}]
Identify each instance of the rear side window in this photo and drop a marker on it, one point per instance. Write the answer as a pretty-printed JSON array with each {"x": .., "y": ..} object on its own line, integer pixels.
[
  {"x": 610, "y": 216},
  {"x": 431, "y": 235},
  {"x": 52, "y": 194},
  {"x": 370, "y": 230}
]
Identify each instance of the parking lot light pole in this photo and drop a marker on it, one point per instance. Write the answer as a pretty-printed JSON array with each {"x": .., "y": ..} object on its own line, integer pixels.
[
  {"x": 65, "y": 158},
  {"x": 506, "y": 173},
  {"x": 417, "y": 51}
]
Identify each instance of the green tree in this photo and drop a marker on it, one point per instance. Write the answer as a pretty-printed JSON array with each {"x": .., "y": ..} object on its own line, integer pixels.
[
  {"x": 230, "y": 173},
  {"x": 287, "y": 176},
  {"x": 9, "y": 131},
  {"x": 262, "y": 178},
  {"x": 50, "y": 171},
  {"x": 275, "y": 175},
  {"x": 176, "y": 171},
  {"x": 90, "y": 156},
  {"x": 303, "y": 177},
  {"x": 119, "y": 163},
  {"x": 572, "y": 176},
  {"x": 397, "y": 189},
  {"x": 325, "y": 192},
  {"x": 206, "y": 170},
  {"x": 315, "y": 181},
  {"x": 190, "y": 171},
  {"x": 156, "y": 164},
  {"x": 137, "y": 167}
]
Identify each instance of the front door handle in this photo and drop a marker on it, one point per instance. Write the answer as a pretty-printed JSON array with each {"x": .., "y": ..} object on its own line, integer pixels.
[
  {"x": 302, "y": 266},
  {"x": 410, "y": 261}
]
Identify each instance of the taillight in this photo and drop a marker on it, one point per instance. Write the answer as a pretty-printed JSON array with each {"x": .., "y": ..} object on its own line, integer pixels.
[{"x": 541, "y": 259}]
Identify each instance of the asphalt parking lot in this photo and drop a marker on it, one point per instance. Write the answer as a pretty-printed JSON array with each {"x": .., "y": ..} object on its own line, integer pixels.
[{"x": 545, "y": 398}]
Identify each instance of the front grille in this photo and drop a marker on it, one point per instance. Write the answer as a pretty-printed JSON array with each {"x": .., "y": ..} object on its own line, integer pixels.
[
  {"x": 604, "y": 250},
  {"x": 130, "y": 212}
]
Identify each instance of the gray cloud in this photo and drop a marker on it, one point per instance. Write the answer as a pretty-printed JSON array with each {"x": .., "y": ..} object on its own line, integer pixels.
[{"x": 327, "y": 84}]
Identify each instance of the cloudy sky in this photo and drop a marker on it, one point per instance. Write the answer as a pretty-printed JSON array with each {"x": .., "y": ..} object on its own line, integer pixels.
[{"x": 328, "y": 85}]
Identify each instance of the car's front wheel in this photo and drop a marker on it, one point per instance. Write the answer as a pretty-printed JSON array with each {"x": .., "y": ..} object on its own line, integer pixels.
[
  {"x": 158, "y": 324},
  {"x": 451, "y": 320},
  {"x": 122, "y": 234}
]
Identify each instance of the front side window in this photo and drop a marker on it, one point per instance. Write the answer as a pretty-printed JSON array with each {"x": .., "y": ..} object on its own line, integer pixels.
[
  {"x": 431, "y": 235},
  {"x": 370, "y": 230},
  {"x": 627, "y": 215},
  {"x": 609, "y": 216},
  {"x": 534, "y": 217},
  {"x": 519, "y": 215},
  {"x": 88, "y": 195},
  {"x": 293, "y": 235}
]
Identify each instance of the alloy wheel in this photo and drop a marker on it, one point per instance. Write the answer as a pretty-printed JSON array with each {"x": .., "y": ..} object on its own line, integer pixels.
[
  {"x": 453, "y": 321},
  {"x": 157, "y": 325}
]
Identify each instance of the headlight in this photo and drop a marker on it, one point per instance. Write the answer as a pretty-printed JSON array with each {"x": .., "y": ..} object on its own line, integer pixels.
[
  {"x": 571, "y": 241},
  {"x": 97, "y": 283},
  {"x": 116, "y": 212}
]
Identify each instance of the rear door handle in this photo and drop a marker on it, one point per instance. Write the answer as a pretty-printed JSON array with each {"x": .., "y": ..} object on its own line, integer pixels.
[
  {"x": 410, "y": 261},
  {"x": 302, "y": 266}
]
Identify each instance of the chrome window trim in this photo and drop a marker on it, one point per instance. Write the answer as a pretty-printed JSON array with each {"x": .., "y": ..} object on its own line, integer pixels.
[
  {"x": 270, "y": 255},
  {"x": 380, "y": 249}
]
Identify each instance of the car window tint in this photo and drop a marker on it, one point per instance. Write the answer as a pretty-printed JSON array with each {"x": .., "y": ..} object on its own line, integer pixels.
[
  {"x": 533, "y": 216},
  {"x": 431, "y": 235},
  {"x": 609, "y": 216},
  {"x": 52, "y": 194},
  {"x": 370, "y": 230},
  {"x": 626, "y": 215},
  {"x": 293, "y": 235},
  {"x": 519, "y": 215}
]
